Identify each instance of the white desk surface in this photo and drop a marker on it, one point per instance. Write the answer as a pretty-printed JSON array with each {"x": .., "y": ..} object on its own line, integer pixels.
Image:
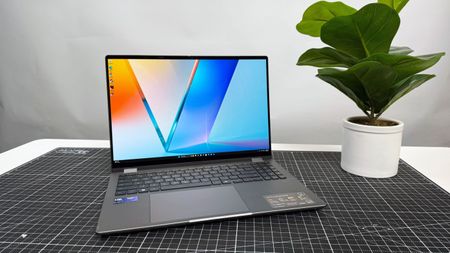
[{"x": 433, "y": 162}]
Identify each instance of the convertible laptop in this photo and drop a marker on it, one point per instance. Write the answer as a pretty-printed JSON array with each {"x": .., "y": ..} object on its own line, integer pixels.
[{"x": 190, "y": 142}]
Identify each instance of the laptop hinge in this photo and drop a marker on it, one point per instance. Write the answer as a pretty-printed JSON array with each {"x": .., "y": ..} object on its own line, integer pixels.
[
  {"x": 257, "y": 159},
  {"x": 130, "y": 170}
]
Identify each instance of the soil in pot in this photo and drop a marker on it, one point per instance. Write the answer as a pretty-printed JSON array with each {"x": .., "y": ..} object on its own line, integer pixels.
[{"x": 368, "y": 122}]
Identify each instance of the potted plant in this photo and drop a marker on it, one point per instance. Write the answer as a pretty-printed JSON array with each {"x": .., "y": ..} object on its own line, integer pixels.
[{"x": 361, "y": 63}]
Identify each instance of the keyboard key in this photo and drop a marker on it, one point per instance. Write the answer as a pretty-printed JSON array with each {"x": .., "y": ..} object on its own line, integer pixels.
[
  {"x": 142, "y": 190},
  {"x": 250, "y": 174},
  {"x": 121, "y": 193},
  {"x": 153, "y": 189},
  {"x": 132, "y": 191}
]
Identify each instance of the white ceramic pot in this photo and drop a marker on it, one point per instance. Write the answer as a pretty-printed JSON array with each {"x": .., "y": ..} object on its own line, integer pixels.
[{"x": 371, "y": 151}]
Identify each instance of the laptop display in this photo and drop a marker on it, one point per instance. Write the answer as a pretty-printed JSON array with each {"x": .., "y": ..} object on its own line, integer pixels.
[{"x": 182, "y": 107}]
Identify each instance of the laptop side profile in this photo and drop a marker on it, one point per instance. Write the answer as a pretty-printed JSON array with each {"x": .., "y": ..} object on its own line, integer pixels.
[{"x": 190, "y": 142}]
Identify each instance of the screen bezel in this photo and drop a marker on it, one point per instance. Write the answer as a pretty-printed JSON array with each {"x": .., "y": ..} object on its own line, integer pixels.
[{"x": 118, "y": 165}]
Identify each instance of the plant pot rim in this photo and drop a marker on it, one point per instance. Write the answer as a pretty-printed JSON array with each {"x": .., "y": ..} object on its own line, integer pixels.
[{"x": 373, "y": 129}]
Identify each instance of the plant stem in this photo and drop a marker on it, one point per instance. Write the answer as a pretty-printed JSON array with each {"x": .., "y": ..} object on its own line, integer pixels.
[
  {"x": 372, "y": 114},
  {"x": 372, "y": 117}
]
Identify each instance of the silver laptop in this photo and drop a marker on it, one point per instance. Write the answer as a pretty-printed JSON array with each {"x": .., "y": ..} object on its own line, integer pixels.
[{"x": 190, "y": 142}]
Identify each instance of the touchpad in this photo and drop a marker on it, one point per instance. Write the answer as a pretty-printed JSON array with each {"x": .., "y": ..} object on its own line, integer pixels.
[{"x": 195, "y": 203}]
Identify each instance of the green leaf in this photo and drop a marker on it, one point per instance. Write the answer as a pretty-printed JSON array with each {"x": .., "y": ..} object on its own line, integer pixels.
[
  {"x": 319, "y": 13},
  {"x": 400, "y": 50},
  {"x": 347, "y": 85},
  {"x": 405, "y": 65},
  {"x": 404, "y": 87},
  {"x": 397, "y": 5},
  {"x": 370, "y": 81},
  {"x": 369, "y": 31},
  {"x": 326, "y": 57}
]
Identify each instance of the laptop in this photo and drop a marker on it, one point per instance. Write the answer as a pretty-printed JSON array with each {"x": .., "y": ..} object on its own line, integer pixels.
[{"x": 190, "y": 142}]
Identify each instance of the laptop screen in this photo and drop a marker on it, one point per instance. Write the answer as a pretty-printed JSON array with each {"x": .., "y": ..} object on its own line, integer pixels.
[{"x": 172, "y": 108}]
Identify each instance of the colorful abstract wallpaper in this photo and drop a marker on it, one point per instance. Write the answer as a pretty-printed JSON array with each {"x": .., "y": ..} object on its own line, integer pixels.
[{"x": 187, "y": 107}]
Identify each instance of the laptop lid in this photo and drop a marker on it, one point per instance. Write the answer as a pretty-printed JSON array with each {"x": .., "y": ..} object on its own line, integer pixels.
[{"x": 165, "y": 109}]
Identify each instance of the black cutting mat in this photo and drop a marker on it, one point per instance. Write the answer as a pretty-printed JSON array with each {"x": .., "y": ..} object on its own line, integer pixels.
[{"x": 52, "y": 203}]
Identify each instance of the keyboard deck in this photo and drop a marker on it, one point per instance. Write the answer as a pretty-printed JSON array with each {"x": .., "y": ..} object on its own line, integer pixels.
[{"x": 171, "y": 179}]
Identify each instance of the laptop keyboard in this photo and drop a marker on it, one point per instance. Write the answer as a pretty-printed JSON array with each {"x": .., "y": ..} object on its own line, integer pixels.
[{"x": 143, "y": 182}]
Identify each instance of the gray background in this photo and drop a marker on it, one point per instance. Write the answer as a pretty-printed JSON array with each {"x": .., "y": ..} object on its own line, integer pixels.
[{"x": 52, "y": 80}]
